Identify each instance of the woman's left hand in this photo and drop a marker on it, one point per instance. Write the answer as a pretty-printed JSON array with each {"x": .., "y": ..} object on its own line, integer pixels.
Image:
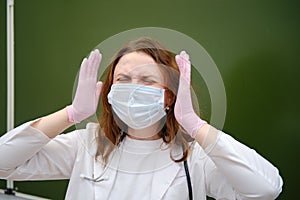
[{"x": 184, "y": 112}]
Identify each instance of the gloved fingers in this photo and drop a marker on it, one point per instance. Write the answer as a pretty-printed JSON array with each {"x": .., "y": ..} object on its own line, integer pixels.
[
  {"x": 184, "y": 65},
  {"x": 84, "y": 75},
  {"x": 88, "y": 70},
  {"x": 98, "y": 90},
  {"x": 83, "y": 67},
  {"x": 94, "y": 63},
  {"x": 185, "y": 56},
  {"x": 89, "y": 66}
]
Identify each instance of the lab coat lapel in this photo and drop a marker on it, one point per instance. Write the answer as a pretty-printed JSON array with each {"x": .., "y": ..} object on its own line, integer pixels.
[
  {"x": 163, "y": 179},
  {"x": 104, "y": 186}
]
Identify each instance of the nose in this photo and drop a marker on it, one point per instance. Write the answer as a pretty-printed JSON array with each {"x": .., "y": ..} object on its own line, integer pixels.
[{"x": 135, "y": 81}]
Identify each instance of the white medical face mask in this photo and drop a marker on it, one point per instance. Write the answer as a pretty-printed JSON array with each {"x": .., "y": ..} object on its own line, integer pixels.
[{"x": 138, "y": 106}]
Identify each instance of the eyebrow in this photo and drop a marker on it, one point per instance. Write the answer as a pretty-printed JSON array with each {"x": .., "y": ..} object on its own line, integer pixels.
[
  {"x": 149, "y": 76},
  {"x": 121, "y": 74},
  {"x": 143, "y": 76}
]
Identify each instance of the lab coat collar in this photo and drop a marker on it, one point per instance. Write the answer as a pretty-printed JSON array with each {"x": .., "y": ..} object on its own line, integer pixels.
[{"x": 164, "y": 172}]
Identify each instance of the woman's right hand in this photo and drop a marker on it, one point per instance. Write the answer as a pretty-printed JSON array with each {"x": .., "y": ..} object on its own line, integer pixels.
[{"x": 88, "y": 89}]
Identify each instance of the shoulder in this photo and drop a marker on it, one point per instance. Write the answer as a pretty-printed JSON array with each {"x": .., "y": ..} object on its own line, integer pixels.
[
  {"x": 199, "y": 152},
  {"x": 198, "y": 157},
  {"x": 196, "y": 151},
  {"x": 88, "y": 135},
  {"x": 80, "y": 136}
]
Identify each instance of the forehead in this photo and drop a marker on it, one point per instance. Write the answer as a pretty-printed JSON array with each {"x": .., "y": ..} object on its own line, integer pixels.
[{"x": 137, "y": 63}]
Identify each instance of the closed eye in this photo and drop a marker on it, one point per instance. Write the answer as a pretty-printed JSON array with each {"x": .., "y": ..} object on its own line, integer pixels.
[
  {"x": 123, "y": 78},
  {"x": 147, "y": 80}
]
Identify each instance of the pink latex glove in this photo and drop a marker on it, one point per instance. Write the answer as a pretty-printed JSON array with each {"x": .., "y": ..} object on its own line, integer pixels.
[
  {"x": 184, "y": 112},
  {"x": 88, "y": 89}
]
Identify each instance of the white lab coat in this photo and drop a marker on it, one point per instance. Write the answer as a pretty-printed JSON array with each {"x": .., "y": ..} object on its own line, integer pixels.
[{"x": 225, "y": 170}]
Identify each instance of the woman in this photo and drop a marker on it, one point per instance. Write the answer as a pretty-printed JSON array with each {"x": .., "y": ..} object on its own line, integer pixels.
[{"x": 140, "y": 148}]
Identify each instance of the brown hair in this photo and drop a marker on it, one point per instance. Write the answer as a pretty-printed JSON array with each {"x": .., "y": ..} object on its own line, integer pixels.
[{"x": 110, "y": 134}]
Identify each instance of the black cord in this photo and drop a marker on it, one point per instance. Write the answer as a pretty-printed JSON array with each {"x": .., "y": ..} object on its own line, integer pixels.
[
  {"x": 188, "y": 178},
  {"x": 123, "y": 135}
]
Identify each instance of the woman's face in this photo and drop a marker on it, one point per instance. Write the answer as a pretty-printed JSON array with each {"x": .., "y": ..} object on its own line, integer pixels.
[{"x": 138, "y": 68}]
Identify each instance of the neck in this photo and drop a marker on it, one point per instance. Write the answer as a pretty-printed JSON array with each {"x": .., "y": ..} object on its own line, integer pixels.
[
  {"x": 153, "y": 137},
  {"x": 149, "y": 133}
]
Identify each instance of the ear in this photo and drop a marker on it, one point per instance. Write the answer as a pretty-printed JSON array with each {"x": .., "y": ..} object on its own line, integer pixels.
[{"x": 169, "y": 97}]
